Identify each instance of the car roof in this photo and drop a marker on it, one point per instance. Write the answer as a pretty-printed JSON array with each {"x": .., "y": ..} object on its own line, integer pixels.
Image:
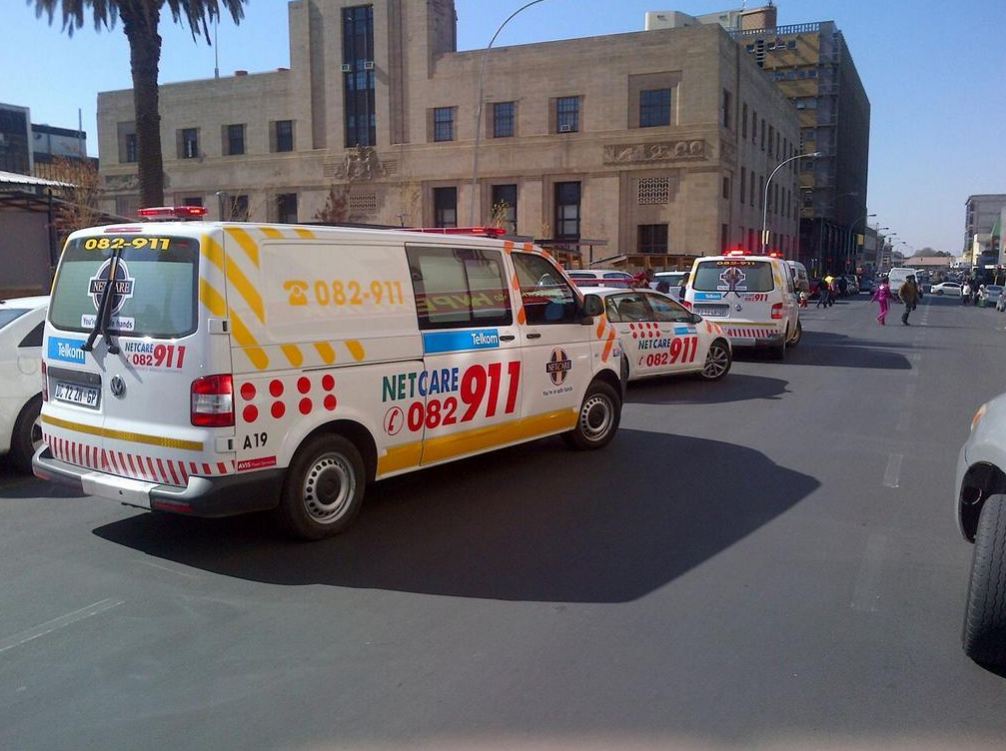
[{"x": 32, "y": 303}]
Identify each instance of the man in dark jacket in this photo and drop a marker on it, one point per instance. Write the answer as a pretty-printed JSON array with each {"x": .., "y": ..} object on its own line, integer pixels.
[{"x": 909, "y": 294}]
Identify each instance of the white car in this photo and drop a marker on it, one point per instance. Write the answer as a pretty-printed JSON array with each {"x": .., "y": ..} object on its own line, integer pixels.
[
  {"x": 951, "y": 289},
  {"x": 600, "y": 278},
  {"x": 21, "y": 326},
  {"x": 661, "y": 337}
]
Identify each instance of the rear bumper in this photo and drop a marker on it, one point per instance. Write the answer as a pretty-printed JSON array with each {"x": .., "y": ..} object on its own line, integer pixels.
[{"x": 203, "y": 496}]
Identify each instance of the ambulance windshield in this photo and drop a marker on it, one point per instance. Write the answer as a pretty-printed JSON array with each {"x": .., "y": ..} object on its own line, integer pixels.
[
  {"x": 153, "y": 293},
  {"x": 734, "y": 275}
]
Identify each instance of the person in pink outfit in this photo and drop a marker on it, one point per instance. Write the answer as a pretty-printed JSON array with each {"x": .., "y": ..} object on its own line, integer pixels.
[{"x": 883, "y": 296}]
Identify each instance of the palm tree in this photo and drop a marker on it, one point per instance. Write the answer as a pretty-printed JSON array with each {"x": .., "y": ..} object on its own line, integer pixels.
[{"x": 140, "y": 20}]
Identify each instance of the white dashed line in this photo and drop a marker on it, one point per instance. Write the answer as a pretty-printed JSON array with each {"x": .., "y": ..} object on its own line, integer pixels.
[
  {"x": 892, "y": 474},
  {"x": 57, "y": 623}
]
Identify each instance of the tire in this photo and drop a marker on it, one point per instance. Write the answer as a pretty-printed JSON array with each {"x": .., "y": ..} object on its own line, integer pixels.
[
  {"x": 939, "y": 292},
  {"x": 778, "y": 352},
  {"x": 598, "y": 418},
  {"x": 27, "y": 435},
  {"x": 324, "y": 488},
  {"x": 985, "y": 612},
  {"x": 718, "y": 361},
  {"x": 797, "y": 336}
]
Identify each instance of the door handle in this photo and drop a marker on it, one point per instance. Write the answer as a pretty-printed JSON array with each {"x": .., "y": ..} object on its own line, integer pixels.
[
  {"x": 507, "y": 337},
  {"x": 534, "y": 335}
]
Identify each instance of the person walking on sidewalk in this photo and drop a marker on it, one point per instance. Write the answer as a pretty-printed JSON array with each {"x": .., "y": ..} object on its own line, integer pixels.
[
  {"x": 883, "y": 296},
  {"x": 822, "y": 293},
  {"x": 909, "y": 294}
]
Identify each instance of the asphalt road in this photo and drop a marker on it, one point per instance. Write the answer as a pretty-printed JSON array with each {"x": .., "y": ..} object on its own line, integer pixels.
[{"x": 766, "y": 562}]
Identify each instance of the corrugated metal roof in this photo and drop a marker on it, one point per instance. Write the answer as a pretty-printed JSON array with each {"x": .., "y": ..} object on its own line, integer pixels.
[{"x": 13, "y": 178}]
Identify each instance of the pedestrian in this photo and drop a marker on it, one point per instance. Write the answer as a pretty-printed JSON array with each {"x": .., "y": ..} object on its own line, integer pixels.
[
  {"x": 883, "y": 296},
  {"x": 822, "y": 293},
  {"x": 843, "y": 286},
  {"x": 909, "y": 294},
  {"x": 832, "y": 290},
  {"x": 965, "y": 292},
  {"x": 803, "y": 298}
]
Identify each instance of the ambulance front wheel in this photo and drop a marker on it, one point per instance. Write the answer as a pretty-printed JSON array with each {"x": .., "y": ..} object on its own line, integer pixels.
[
  {"x": 324, "y": 488},
  {"x": 598, "y": 418}
]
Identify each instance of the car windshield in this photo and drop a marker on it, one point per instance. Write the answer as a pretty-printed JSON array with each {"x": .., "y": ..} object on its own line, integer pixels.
[{"x": 734, "y": 275}]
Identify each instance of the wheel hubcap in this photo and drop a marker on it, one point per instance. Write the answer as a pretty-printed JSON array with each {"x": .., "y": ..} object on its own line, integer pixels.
[
  {"x": 596, "y": 417},
  {"x": 36, "y": 434},
  {"x": 329, "y": 486},
  {"x": 716, "y": 362}
]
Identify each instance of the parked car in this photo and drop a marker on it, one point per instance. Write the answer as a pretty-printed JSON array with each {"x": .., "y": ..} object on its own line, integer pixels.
[
  {"x": 675, "y": 280},
  {"x": 660, "y": 337},
  {"x": 601, "y": 278},
  {"x": 980, "y": 510},
  {"x": 22, "y": 322},
  {"x": 950, "y": 289}
]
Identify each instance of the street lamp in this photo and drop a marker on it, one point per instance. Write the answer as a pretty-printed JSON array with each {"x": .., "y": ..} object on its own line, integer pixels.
[
  {"x": 478, "y": 111},
  {"x": 764, "y": 206},
  {"x": 850, "y": 245}
]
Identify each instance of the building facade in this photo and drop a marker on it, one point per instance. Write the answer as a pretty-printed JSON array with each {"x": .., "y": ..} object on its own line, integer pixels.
[
  {"x": 981, "y": 216},
  {"x": 641, "y": 145}
]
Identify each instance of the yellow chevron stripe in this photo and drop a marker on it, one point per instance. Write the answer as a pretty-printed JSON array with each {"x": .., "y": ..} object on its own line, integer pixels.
[
  {"x": 356, "y": 349},
  {"x": 212, "y": 299},
  {"x": 304, "y": 233},
  {"x": 326, "y": 351},
  {"x": 247, "y": 243},
  {"x": 240, "y": 282},
  {"x": 213, "y": 252},
  {"x": 245, "y": 340},
  {"x": 293, "y": 354},
  {"x": 272, "y": 233}
]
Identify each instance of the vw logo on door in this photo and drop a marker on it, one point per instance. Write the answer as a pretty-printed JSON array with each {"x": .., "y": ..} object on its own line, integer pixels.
[{"x": 118, "y": 386}]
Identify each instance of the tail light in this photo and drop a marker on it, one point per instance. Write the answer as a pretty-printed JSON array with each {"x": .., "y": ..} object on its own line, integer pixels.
[
  {"x": 45, "y": 383},
  {"x": 777, "y": 311},
  {"x": 213, "y": 401},
  {"x": 687, "y": 304}
]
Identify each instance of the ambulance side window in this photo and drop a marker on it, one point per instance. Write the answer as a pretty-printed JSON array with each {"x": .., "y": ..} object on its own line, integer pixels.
[
  {"x": 546, "y": 296},
  {"x": 459, "y": 287}
]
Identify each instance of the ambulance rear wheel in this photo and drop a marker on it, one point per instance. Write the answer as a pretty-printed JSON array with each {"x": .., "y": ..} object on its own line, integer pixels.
[
  {"x": 598, "y": 418},
  {"x": 324, "y": 488}
]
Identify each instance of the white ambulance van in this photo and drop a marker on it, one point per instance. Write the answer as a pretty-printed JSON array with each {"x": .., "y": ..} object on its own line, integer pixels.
[
  {"x": 752, "y": 297},
  {"x": 218, "y": 368}
]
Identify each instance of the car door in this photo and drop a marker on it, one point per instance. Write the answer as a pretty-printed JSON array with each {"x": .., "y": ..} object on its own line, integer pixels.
[
  {"x": 633, "y": 320},
  {"x": 686, "y": 343}
]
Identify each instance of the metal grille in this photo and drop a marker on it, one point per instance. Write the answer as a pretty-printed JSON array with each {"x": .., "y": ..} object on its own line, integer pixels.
[
  {"x": 363, "y": 203},
  {"x": 653, "y": 191}
]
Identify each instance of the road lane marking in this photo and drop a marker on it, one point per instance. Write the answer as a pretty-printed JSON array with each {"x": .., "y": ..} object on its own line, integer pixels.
[
  {"x": 865, "y": 593},
  {"x": 57, "y": 623},
  {"x": 893, "y": 471}
]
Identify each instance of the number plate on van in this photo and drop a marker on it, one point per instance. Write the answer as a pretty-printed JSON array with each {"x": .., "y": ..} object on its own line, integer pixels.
[
  {"x": 85, "y": 396},
  {"x": 712, "y": 310}
]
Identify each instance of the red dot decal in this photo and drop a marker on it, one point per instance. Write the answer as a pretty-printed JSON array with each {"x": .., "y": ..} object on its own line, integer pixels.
[
  {"x": 305, "y": 406},
  {"x": 303, "y": 385},
  {"x": 276, "y": 388},
  {"x": 247, "y": 391},
  {"x": 250, "y": 413},
  {"x": 328, "y": 382},
  {"x": 330, "y": 402},
  {"x": 278, "y": 409}
]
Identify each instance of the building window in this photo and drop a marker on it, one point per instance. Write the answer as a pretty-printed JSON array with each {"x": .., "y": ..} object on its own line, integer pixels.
[
  {"x": 653, "y": 191},
  {"x": 744, "y": 120},
  {"x": 567, "y": 114},
  {"x": 189, "y": 143},
  {"x": 282, "y": 135},
  {"x": 192, "y": 201},
  {"x": 724, "y": 237},
  {"x": 358, "y": 79},
  {"x": 132, "y": 152},
  {"x": 445, "y": 207},
  {"x": 652, "y": 238},
  {"x": 726, "y": 107},
  {"x": 443, "y": 124},
  {"x": 726, "y": 187},
  {"x": 234, "y": 142},
  {"x": 761, "y": 192},
  {"x": 751, "y": 196},
  {"x": 503, "y": 119},
  {"x": 654, "y": 108},
  {"x": 754, "y": 126},
  {"x": 237, "y": 209},
  {"x": 744, "y": 176},
  {"x": 567, "y": 211},
  {"x": 771, "y": 138},
  {"x": 286, "y": 208},
  {"x": 763, "y": 134},
  {"x": 504, "y": 202},
  {"x": 470, "y": 280},
  {"x": 751, "y": 239}
]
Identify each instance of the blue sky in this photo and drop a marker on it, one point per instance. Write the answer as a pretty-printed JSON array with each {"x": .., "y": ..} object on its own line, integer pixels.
[{"x": 934, "y": 73}]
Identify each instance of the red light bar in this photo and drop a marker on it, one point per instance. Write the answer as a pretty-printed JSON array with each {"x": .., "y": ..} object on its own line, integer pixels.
[
  {"x": 129, "y": 228},
  {"x": 173, "y": 212},
  {"x": 738, "y": 252},
  {"x": 775, "y": 254},
  {"x": 474, "y": 231}
]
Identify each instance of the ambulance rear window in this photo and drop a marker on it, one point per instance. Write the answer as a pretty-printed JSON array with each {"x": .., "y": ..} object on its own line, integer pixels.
[
  {"x": 154, "y": 292},
  {"x": 734, "y": 275}
]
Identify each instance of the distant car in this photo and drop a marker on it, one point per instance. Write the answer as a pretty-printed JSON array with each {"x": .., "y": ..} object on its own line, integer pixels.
[
  {"x": 21, "y": 324},
  {"x": 990, "y": 295},
  {"x": 867, "y": 285},
  {"x": 601, "y": 278},
  {"x": 660, "y": 337},
  {"x": 800, "y": 279},
  {"x": 675, "y": 283},
  {"x": 951, "y": 289}
]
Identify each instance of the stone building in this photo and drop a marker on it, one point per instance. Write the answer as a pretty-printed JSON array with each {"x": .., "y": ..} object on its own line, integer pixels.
[{"x": 636, "y": 145}]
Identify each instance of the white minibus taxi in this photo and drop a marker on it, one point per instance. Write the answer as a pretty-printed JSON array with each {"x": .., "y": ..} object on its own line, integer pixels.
[{"x": 217, "y": 368}]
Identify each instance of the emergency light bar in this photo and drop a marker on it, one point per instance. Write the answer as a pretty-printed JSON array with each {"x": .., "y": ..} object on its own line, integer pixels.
[
  {"x": 475, "y": 231},
  {"x": 173, "y": 212}
]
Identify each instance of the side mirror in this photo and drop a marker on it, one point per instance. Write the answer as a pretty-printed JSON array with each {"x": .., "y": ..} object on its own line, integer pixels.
[
  {"x": 695, "y": 318},
  {"x": 593, "y": 306}
]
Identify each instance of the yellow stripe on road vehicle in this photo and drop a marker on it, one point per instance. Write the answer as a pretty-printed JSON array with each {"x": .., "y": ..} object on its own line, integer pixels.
[
  {"x": 121, "y": 435},
  {"x": 246, "y": 242}
]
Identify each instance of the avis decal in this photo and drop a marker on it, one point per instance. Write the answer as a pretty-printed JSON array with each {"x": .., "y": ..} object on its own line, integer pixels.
[{"x": 259, "y": 463}]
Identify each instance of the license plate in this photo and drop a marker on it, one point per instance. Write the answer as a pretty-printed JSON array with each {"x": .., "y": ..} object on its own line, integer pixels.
[
  {"x": 711, "y": 310},
  {"x": 85, "y": 396}
]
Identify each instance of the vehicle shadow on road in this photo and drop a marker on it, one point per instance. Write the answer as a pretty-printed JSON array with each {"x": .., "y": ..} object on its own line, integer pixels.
[
  {"x": 509, "y": 526},
  {"x": 15, "y": 484},
  {"x": 836, "y": 350},
  {"x": 735, "y": 387}
]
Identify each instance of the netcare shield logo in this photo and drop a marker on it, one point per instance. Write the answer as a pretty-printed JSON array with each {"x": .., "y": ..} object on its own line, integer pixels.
[
  {"x": 122, "y": 288},
  {"x": 558, "y": 366}
]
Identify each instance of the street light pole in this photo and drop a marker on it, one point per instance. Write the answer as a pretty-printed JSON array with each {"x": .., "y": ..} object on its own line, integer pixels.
[
  {"x": 764, "y": 205},
  {"x": 850, "y": 246},
  {"x": 478, "y": 111}
]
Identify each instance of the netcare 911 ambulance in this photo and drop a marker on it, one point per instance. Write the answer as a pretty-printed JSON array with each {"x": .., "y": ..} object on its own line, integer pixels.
[
  {"x": 751, "y": 297},
  {"x": 217, "y": 368}
]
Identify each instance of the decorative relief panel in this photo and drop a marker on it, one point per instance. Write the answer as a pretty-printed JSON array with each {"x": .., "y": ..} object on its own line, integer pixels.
[{"x": 669, "y": 151}]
